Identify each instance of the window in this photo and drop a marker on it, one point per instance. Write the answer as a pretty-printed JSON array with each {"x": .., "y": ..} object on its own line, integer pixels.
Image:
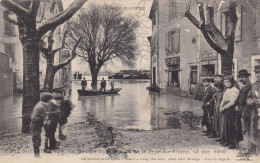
[
  {"x": 255, "y": 61},
  {"x": 9, "y": 29},
  {"x": 9, "y": 49},
  {"x": 208, "y": 70},
  {"x": 225, "y": 18},
  {"x": 193, "y": 74},
  {"x": 172, "y": 9},
  {"x": 174, "y": 41},
  {"x": 224, "y": 24}
]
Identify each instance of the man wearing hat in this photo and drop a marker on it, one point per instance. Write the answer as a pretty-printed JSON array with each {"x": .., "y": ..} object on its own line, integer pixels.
[
  {"x": 207, "y": 107},
  {"x": 244, "y": 86},
  {"x": 252, "y": 114},
  {"x": 50, "y": 129}
]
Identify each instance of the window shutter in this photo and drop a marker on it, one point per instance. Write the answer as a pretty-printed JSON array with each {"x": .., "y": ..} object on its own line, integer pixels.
[
  {"x": 238, "y": 34},
  {"x": 176, "y": 41},
  {"x": 167, "y": 42},
  {"x": 170, "y": 9}
]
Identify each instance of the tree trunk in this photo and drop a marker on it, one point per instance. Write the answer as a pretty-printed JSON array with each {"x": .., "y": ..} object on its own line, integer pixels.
[
  {"x": 31, "y": 86},
  {"x": 227, "y": 63},
  {"x": 94, "y": 80},
  {"x": 94, "y": 72},
  {"x": 49, "y": 77}
]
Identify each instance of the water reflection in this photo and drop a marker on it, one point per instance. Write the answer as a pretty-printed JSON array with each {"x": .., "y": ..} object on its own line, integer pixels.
[
  {"x": 11, "y": 112},
  {"x": 133, "y": 108}
]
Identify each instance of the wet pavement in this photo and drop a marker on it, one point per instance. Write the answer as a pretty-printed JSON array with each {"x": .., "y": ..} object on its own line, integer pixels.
[{"x": 133, "y": 108}]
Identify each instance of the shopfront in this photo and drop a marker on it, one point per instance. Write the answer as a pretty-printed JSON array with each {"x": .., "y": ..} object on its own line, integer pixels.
[
  {"x": 208, "y": 64},
  {"x": 173, "y": 70}
]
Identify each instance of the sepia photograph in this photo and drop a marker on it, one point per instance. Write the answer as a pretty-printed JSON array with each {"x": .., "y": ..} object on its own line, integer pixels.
[{"x": 130, "y": 81}]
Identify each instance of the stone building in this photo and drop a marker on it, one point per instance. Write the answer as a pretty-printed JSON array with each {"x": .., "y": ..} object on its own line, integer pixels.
[
  {"x": 174, "y": 47},
  {"x": 181, "y": 57},
  {"x": 6, "y": 79},
  {"x": 10, "y": 44}
]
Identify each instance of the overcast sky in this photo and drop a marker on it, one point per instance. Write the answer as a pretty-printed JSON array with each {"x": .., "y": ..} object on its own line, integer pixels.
[{"x": 144, "y": 31}]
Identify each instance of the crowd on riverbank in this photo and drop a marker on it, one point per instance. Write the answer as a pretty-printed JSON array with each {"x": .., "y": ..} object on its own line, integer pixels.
[{"x": 230, "y": 110}]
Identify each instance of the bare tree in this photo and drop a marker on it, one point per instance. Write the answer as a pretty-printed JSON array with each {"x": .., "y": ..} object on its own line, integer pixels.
[
  {"x": 30, "y": 35},
  {"x": 107, "y": 35},
  {"x": 214, "y": 37},
  {"x": 49, "y": 54}
]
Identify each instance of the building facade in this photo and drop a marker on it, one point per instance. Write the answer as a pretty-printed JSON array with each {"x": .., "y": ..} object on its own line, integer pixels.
[
  {"x": 10, "y": 45},
  {"x": 6, "y": 78},
  {"x": 181, "y": 57}
]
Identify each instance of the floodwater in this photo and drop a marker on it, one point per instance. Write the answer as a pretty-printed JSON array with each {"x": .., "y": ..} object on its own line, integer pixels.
[{"x": 133, "y": 108}]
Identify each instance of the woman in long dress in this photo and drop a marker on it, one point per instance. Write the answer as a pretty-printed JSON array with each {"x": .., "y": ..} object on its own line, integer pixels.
[
  {"x": 227, "y": 107},
  {"x": 217, "y": 118}
]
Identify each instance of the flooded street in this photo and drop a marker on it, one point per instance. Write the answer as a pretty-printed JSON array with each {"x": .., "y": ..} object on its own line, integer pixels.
[
  {"x": 140, "y": 121},
  {"x": 133, "y": 108}
]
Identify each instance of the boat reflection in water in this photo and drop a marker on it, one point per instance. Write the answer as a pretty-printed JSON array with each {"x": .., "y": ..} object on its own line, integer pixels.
[{"x": 134, "y": 107}]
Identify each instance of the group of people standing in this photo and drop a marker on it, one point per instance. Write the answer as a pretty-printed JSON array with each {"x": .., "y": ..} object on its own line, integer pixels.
[
  {"x": 52, "y": 110},
  {"x": 230, "y": 110}
]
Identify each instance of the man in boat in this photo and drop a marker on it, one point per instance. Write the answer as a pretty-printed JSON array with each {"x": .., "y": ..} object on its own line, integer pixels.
[
  {"x": 103, "y": 85},
  {"x": 84, "y": 84}
]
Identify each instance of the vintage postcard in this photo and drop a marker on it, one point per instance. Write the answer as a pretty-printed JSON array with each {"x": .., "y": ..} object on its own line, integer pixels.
[{"x": 130, "y": 81}]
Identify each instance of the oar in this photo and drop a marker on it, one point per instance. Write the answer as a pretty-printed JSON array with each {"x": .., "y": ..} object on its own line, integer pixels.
[{"x": 92, "y": 90}]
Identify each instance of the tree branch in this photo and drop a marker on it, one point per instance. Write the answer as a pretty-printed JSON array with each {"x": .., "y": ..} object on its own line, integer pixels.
[
  {"x": 232, "y": 21},
  {"x": 35, "y": 4},
  {"x": 193, "y": 20},
  {"x": 50, "y": 40},
  {"x": 43, "y": 49},
  {"x": 61, "y": 18},
  {"x": 201, "y": 12},
  {"x": 212, "y": 43},
  {"x": 14, "y": 7},
  {"x": 213, "y": 31},
  {"x": 62, "y": 44},
  {"x": 7, "y": 18},
  {"x": 210, "y": 14},
  {"x": 73, "y": 55}
]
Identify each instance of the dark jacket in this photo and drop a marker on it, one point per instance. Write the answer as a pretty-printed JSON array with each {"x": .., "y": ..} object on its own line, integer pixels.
[
  {"x": 208, "y": 95},
  {"x": 53, "y": 112},
  {"x": 39, "y": 112},
  {"x": 103, "y": 83},
  {"x": 83, "y": 83},
  {"x": 244, "y": 91},
  {"x": 199, "y": 91}
]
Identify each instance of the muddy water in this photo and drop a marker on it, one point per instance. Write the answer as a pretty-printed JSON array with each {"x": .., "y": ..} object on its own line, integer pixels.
[{"x": 133, "y": 108}]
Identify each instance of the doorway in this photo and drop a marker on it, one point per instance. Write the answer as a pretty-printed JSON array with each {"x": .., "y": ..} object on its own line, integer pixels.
[{"x": 175, "y": 78}]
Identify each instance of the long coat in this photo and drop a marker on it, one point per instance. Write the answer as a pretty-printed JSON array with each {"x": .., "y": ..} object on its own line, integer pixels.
[
  {"x": 253, "y": 112},
  {"x": 53, "y": 111},
  {"x": 241, "y": 103},
  {"x": 207, "y": 97},
  {"x": 243, "y": 93}
]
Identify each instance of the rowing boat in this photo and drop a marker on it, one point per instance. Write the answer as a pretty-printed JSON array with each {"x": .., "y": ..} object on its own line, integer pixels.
[{"x": 94, "y": 93}]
